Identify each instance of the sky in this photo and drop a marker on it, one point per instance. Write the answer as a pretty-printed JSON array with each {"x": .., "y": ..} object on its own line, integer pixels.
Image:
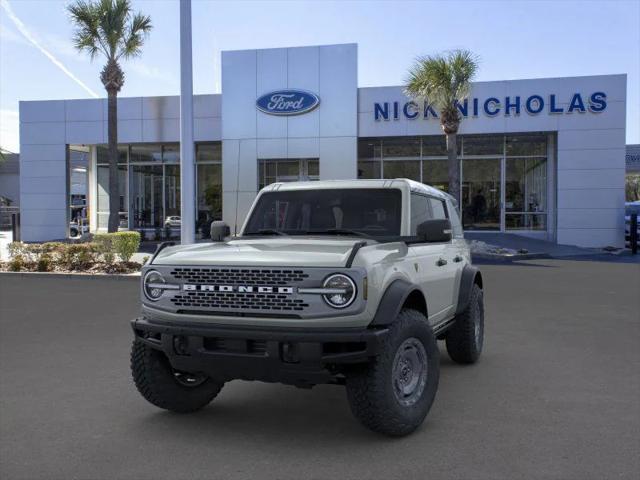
[{"x": 513, "y": 40}]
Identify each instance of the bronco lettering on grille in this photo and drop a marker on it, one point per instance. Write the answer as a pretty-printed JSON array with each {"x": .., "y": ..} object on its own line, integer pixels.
[{"x": 237, "y": 289}]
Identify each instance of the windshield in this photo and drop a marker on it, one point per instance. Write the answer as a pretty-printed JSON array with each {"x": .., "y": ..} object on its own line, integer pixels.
[{"x": 363, "y": 211}]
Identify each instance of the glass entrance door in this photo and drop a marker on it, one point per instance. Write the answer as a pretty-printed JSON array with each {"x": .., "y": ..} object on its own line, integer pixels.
[
  {"x": 481, "y": 194},
  {"x": 146, "y": 196}
]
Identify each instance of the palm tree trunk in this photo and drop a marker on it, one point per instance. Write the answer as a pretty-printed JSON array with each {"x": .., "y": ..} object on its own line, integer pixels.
[
  {"x": 454, "y": 166},
  {"x": 114, "y": 194}
]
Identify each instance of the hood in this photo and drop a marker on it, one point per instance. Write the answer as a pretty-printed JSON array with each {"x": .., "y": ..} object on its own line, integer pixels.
[{"x": 282, "y": 252}]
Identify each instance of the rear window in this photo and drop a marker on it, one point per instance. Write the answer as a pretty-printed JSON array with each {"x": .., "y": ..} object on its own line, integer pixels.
[{"x": 372, "y": 211}]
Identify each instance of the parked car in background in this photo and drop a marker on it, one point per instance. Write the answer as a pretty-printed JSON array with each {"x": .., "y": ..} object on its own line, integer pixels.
[
  {"x": 172, "y": 222},
  {"x": 77, "y": 229},
  {"x": 629, "y": 209}
]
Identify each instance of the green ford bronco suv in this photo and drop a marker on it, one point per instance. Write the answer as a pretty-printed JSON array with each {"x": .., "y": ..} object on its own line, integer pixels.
[{"x": 342, "y": 282}]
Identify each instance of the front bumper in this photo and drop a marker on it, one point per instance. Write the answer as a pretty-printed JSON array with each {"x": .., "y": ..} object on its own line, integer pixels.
[{"x": 300, "y": 357}]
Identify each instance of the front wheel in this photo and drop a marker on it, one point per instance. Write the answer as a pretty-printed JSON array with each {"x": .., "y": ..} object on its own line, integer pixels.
[
  {"x": 393, "y": 394},
  {"x": 163, "y": 386}
]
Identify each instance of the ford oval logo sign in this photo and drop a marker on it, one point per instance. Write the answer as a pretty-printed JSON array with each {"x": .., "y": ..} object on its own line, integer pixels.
[{"x": 287, "y": 102}]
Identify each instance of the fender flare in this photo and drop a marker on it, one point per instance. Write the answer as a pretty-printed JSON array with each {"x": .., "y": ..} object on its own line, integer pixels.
[
  {"x": 470, "y": 276},
  {"x": 392, "y": 301}
]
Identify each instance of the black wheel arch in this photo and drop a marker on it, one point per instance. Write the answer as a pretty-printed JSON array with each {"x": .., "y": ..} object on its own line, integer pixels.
[
  {"x": 470, "y": 276},
  {"x": 398, "y": 295}
]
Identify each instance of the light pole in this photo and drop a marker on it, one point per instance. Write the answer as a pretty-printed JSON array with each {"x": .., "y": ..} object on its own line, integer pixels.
[{"x": 187, "y": 147}]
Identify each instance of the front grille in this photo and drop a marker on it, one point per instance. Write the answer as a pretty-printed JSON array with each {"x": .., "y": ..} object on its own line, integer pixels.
[
  {"x": 236, "y": 301},
  {"x": 237, "y": 276}
]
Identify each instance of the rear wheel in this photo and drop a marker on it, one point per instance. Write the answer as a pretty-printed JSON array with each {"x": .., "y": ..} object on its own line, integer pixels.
[
  {"x": 465, "y": 339},
  {"x": 163, "y": 386},
  {"x": 393, "y": 394}
]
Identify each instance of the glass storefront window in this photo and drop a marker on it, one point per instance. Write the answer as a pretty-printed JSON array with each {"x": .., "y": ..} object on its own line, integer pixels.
[
  {"x": 481, "y": 194},
  {"x": 287, "y": 170},
  {"x": 369, "y": 148},
  {"x": 436, "y": 174},
  {"x": 401, "y": 147},
  {"x": 526, "y": 184},
  {"x": 482, "y": 145},
  {"x": 523, "y": 156},
  {"x": 78, "y": 164},
  {"x": 146, "y": 153},
  {"x": 102, "y": 154},
  {"x": 369, "y": 169},
  {"x": 172, "y": 197},
  {"x": 209, "y": 192},
  {"x": 434, "y": 146},
  {"x": 526, "y": 145},
  {"x": 526, "y": 221},
  {"x": 402, "y": 169},
  {"x": 102, "y": 203},
  {"x": 146, "y": 196},
  {"x": 171, "y": 153},
  {"x": 208, "y": 152}
]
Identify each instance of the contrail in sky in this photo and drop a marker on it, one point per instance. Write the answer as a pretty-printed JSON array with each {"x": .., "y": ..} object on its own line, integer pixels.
[{"x": 27, "y": 34}]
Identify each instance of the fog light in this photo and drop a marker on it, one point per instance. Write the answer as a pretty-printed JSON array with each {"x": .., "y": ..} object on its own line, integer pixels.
[{"x": 181, "y": 345}]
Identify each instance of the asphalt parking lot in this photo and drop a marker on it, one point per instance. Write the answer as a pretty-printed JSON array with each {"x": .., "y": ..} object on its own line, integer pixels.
[{"x": 556, "y": 394}]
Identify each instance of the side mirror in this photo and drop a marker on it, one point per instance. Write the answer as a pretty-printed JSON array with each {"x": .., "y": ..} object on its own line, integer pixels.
[
  {"x": 219, "y": 231},
  {"x": 438, "y": 230}
]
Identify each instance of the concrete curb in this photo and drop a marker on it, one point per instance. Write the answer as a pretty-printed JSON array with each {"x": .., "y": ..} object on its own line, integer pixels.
[
  {"x": 77, "y": 276},
  {"x": 497, "y": 258}
]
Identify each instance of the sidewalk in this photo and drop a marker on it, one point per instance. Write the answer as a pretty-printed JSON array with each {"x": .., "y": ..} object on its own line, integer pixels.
[
  {"x": 531, "y": 245},
  {"x": 507, "y": 247}
]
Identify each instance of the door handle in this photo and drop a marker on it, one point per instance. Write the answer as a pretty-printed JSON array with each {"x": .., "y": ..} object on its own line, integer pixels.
[
  {"x": 441, "y": 262},
  {"x": 457, "y": 259}
]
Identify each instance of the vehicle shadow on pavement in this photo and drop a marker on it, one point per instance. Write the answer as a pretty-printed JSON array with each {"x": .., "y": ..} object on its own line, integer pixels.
[{"x": 255, "y": 412}]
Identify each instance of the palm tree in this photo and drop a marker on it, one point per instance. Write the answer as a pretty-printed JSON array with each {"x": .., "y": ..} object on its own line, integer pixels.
[
  {"x": 444, "y": 81},
  {"x": 110, "y": 28}
]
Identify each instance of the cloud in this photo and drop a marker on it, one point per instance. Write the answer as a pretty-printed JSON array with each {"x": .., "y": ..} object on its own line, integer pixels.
[
  {"x": 9, "y": 128},
  {"x": 22, "y": 28}
]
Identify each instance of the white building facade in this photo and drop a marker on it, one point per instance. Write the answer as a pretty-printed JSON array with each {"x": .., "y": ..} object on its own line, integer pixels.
[{"x": 541, "y": 157}]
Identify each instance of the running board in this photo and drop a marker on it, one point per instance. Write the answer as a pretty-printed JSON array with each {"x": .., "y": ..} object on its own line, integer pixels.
[{"x": 443, "y": 327}]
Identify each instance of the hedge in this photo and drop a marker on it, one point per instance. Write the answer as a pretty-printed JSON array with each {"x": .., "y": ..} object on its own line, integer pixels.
[{"x": 45, "y": 257}]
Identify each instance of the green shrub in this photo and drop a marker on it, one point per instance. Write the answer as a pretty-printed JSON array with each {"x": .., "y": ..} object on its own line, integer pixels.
[
  {"x": 17, "y": 248},
  {"x": 78, "y": 256},
  {"x": 126, "y": 244},
  {"x": 105, "y": 245},
  {"x": 45, "y": 263},
  {"x": 16, "y": 263}
]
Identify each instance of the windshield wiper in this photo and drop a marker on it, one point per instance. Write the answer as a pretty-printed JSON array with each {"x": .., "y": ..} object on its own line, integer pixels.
[
  {"x": 338, "y": 231},
  {"x": 265, "y": 231}
]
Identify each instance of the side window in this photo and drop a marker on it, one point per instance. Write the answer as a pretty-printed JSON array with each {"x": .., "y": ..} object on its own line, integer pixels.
[
  {"x": 437, "y": 206},
  {"x": 420, "y": 211}
]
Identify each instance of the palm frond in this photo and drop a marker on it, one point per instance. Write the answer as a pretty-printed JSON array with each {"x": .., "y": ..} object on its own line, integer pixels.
[
  {"x": 442, "y": 80},
  {"x": 139, "y": 29},
  {"x": 108, "y": 27}
]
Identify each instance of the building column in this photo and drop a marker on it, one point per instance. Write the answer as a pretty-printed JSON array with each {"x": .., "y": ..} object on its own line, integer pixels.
[{"x": 187, "y": 147}]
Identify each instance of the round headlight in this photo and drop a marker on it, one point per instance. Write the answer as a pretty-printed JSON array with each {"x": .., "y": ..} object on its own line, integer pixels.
[
  {"x": 152, "y": 285},
  {"x": 343, "y": 291}
]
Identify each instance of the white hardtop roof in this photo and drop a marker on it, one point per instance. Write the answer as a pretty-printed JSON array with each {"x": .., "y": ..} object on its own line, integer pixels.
[{"x": 329, "y": 184}]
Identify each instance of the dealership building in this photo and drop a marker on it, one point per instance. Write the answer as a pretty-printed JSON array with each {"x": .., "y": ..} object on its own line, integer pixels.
[{"x": 540, "y": 157}]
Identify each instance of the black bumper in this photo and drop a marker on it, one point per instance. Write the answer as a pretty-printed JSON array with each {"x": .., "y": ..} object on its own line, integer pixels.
[{"x": 294, "y": 356}]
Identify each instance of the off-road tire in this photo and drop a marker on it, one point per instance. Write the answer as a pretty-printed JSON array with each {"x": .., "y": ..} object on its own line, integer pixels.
[
  {"x": 462, "y": 343},
  {"x": 154, "y": 378},
  {"x": 370, "y": 389}
]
